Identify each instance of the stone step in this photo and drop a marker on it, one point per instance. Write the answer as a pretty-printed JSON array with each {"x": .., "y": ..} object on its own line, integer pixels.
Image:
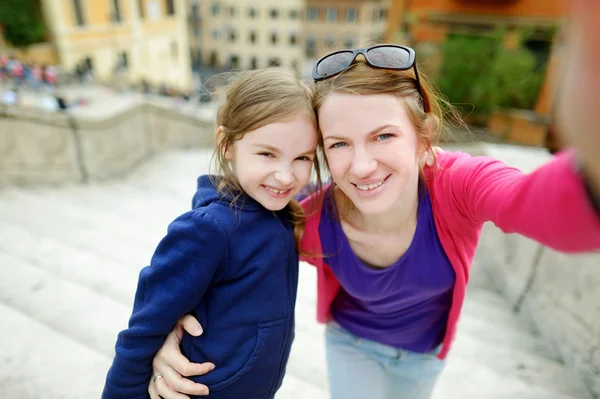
[
  {"x": 68, "y": 308},
  {"x": 99, "y": 242},
  {"x": 464, "y": 379},
  {"x": 532, "y": 370},
  {"x": 37, "y": 361},
  {"x": 104, "y": 276}
]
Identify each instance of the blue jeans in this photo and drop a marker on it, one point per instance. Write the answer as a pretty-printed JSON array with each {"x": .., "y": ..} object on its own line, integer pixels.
[{"x": 359, "y": 368}]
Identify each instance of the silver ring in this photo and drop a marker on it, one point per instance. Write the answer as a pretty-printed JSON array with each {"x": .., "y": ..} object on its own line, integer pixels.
[{"x": 156, "y": 377}]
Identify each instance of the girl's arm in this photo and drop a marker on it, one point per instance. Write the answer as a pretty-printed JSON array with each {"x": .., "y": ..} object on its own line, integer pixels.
[
  {"x": 550, "y": 205},
  {"x": 185, "y": 263}
]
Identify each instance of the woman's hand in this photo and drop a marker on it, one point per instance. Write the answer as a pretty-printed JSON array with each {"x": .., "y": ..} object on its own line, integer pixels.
[
  {"x": 578, "y": 94},
  {"x": 170, "y": 366}
]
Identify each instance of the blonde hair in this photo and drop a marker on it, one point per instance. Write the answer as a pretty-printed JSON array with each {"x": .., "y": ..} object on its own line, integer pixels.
[
  {"x": 362, "y": 79},
  {"x": 253, "y": 100}
]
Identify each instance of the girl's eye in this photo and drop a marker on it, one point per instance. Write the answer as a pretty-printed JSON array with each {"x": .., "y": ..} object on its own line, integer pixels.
[
  {"x": 304, "y": 159},
  {"x": 267, "y": 154},
  {"x": 338, "y": 145},
  {"x": 384, "y": 136}
]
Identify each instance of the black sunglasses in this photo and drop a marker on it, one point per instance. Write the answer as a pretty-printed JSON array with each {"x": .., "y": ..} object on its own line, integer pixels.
[{"x": 381, "y": 56}]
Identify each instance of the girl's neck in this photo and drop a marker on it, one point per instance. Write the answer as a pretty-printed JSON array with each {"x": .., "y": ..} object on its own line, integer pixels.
[{"x": 400, "y": 216}]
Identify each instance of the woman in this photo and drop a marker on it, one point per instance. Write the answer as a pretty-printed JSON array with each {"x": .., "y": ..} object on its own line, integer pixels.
[{"x": 397, "y": 240}]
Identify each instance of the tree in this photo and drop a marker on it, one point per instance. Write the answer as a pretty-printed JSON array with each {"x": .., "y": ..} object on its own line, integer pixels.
[{"x": 22, "y": 22}]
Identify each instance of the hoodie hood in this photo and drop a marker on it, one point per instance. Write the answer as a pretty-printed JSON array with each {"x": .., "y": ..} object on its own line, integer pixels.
[{"x": 207, "y": 193}]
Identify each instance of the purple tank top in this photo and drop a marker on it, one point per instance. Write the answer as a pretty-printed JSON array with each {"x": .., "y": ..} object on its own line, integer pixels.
[{"x": 405, "y": 305}]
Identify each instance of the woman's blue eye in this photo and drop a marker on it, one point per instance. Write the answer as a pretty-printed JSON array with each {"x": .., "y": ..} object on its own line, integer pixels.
[
  {"x": 384, "y": 136},
  {"x": 304, "y": 159},
  {"x": 338, "y": 145},
  {"x": 266, "y": 154}
]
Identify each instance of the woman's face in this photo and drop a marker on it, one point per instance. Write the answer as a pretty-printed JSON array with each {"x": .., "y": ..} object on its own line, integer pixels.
[{"x": 372, "y": 149}]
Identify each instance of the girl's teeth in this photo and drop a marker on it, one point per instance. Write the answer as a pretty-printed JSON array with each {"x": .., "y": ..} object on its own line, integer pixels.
[
  {"x": 369, "y": 186},
  {"x": 276, "y": 191}
]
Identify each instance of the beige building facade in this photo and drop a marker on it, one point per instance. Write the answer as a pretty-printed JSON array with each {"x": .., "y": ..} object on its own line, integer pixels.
[
  {"x": 245, "y": 34},
  {"x": 338, "y": 24},
  {"x": 143, "y": 39}
]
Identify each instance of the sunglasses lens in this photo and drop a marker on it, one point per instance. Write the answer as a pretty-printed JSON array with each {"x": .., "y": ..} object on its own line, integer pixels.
[
  {"x": 334, "y": 63},
  {"x": 389, "y": 57}
]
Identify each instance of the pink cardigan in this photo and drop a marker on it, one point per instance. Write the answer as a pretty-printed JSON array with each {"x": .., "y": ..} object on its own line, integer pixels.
[{"x": 549, "y": 205}]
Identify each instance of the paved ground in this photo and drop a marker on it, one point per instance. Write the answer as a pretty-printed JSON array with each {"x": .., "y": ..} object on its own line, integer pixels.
[{"x": 69, "y": 259}]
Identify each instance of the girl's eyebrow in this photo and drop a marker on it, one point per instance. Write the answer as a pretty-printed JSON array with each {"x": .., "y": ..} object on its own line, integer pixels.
[{"x": 266, "y": 147}]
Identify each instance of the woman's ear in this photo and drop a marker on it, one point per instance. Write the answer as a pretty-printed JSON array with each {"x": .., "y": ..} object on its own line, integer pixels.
[{"x": 220, "y": 137}]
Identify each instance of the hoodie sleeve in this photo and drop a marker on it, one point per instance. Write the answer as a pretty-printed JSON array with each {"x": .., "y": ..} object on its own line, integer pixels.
[
  {"x": 180, "y": 272},
  {"x": 549, "y": 205}
]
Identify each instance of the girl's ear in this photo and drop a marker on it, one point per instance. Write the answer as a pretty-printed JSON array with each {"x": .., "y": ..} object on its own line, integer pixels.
[{"x": 220, "y": 137}]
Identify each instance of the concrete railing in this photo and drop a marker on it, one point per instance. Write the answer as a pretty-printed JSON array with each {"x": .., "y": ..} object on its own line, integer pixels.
[{"x": 48, "y": 148}]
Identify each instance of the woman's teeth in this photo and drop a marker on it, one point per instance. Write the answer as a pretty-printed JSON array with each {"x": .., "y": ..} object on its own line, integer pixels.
[{"x": 369, "y": 186}]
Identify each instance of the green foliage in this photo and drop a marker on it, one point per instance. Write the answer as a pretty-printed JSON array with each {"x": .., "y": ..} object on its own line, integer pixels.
[
  {"x": 22, "y": 22},
  {"x": 464, "y": 75},
  {"x": 478, "y": 73},
  {"x": 515, "y": 80}
]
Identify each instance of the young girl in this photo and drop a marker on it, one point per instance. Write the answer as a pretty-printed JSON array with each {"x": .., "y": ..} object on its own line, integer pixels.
[
  {"x": 398, "y": 240},
  {"x": 231, "y": 261}
]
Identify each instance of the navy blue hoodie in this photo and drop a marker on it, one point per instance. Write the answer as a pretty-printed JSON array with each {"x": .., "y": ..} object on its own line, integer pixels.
[{"x": 236, "y": 270}]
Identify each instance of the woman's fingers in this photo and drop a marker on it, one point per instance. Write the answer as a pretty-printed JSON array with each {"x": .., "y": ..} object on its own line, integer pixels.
[
  {"x": 152, "y": 391},
  {"x": 191, "y": 325},
  {"x": 175, "y": 382},
  {"x": 164, "y": 391}
]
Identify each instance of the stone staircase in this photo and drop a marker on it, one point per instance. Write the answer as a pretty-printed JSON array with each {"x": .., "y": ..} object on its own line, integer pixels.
[{"x": 69, "y": 260}]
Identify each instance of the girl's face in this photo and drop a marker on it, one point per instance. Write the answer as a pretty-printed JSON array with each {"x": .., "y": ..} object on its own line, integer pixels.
[
  {"x": 274, "y": 162},
  {"x": 372, "y": 149}
]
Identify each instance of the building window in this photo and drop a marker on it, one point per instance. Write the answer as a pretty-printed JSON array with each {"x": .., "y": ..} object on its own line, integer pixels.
[
  {"x": 234, "y": 62},
  {"x": 116, "y": 14},
  {"x": 252, "y": 37},
  {"x": 274, "y": 62},
  {"x": 293, "y": 39},
  {"x": 170, "y": 7},
  {"x": 274, "y": 38},
  {"x": 252, "y": 12},
  {"x": 274, "y": 13},
  {"x": 196, "y": 31},
  {"x": 383, "y": 14},
  {"x": 331, "y": 14},
  {"x": 123, "y": 60},
  {"x": 232, "y": 11},
  {"x": 213, "y": 59},
  {"x": 330, "y": 41},
  {"x": 311, "y": 47},
  {"x": 78, "y": 13},
  {"x": 253, "y": 63},
  {"x": 174, "y": 50},
  {"x": 195, "y": 12},
  {"x": 312, "y": 13},
  {"x": 349, "y": 42},
  {"x": 215, "y": 33},
  {"x": 351, "y": 14},
  {"x": 141, "y": 10},
  {"x": 232, "y": 35},
  {"x": 294, "y": 14},
  {"x": 215, "y": 10}
]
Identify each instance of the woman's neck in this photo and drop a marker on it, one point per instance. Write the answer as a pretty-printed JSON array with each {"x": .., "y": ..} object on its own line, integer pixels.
[{"x": 400, "y": 216}]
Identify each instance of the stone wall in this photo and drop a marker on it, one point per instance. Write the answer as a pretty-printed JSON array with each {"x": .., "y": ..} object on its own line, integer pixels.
[
  {"x": 558, "y": 294},
  {"x": 49, "y": 148}
]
